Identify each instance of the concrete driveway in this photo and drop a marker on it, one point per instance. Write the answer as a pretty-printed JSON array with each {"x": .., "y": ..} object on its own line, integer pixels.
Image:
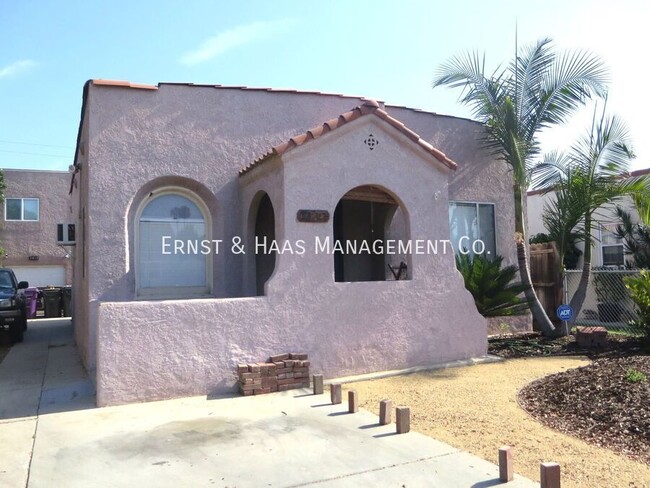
[{"x": 51, "y": 435}]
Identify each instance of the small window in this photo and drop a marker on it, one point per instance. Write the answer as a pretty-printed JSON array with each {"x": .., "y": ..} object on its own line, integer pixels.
[
  {"x": 472, "y": 228},
  {"x": 26, "y": 209},
  {"x": 611, "y": 246},
  {"x": 65, "y": 233}
]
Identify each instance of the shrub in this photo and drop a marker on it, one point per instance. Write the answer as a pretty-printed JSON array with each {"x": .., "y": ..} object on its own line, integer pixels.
[
  {"x": 491, "y": 286},
  {"x": 634, "y": 376},
  {"x": 639, "y": 287}
]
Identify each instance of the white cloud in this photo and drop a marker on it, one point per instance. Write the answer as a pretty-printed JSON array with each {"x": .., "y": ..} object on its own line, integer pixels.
[
  {"x": 17, "y": 67},
  {"x": 233, "y": 38}
]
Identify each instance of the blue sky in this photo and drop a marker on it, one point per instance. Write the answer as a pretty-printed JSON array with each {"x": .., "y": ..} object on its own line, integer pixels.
[{"x": 379, "y": 49}]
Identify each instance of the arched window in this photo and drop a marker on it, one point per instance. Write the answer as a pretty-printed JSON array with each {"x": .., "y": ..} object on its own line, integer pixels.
[{"x": 173, "y": 246}]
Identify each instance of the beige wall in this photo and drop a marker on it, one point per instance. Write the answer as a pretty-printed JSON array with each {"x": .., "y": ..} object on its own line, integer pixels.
[
  {"x": 605, "y": 215},
  {"x": 22, "y": 239}
]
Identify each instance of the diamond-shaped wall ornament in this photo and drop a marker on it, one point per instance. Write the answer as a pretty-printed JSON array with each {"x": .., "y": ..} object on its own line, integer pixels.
[{"x": 371, "y": 142}]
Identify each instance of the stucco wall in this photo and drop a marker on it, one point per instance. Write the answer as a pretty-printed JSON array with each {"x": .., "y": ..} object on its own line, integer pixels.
[
  {"x": 151, "y": 350},
  {"x": 22, "y": 239},
  {"x": 202, "y": 137},
  {"x": 480, "y": 177},
  {"x": 84, "y": 326}
]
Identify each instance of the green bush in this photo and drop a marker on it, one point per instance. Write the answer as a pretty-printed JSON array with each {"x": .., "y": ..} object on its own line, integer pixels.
[
  {"x": 634, "y": 376},
  {"x": 639, "y": 287},
  {"x": 491, "y": 286}
]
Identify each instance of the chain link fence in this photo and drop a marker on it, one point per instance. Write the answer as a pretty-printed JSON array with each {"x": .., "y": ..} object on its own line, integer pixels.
[{"x": 607, "y": 302}]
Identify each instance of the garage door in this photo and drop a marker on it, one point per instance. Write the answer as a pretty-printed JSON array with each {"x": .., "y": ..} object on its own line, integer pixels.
[{"x": 41, "y": 275}]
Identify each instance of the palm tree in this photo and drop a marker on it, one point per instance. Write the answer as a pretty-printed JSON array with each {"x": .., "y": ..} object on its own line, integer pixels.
[
  {"x": 596, "y": 172},
  {"x": 635, "y": 236},
  {"x": 538, "y": 89},
  {"x": 562, "y": 215}
]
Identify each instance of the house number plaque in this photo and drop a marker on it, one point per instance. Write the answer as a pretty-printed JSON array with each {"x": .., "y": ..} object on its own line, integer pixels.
[{"x": 318, "y": 216}]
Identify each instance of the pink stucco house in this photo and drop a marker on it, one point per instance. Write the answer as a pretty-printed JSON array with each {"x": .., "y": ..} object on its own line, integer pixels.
[{"x": 167, "y": 178}]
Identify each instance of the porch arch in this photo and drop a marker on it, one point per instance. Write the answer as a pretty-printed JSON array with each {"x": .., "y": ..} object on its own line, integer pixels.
[
  {"x": 372, "y": 215},
  {"x": 262, "y": 224}
]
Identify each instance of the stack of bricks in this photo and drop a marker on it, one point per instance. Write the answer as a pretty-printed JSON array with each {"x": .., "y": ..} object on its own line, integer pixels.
[
  {"x": 591, "y": 337},
  {"x": 282, "y": 372}
]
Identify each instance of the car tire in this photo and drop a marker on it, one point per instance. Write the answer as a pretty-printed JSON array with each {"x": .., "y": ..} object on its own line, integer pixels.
[{"x": 16, "y": 332}]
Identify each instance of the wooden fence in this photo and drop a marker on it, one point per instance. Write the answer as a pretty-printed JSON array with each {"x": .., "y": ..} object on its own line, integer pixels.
[{"x": 546, "y": 276}]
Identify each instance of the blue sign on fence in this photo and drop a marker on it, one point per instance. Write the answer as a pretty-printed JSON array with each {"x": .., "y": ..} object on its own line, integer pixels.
[{"x": 564, "y": 312}]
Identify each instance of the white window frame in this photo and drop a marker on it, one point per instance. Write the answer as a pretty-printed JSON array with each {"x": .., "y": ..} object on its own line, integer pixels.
[
  {"x": 172, "y": 293},
  {"x": 478, "y": 220},
  {"x": 22, "y": 209},
  {"x": 603, "y": 227}
]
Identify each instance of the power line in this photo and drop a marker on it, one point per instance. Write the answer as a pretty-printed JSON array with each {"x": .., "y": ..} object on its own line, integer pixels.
[
  {"x": 34, "y": 144},
  {"x": 61, "y": 156}
]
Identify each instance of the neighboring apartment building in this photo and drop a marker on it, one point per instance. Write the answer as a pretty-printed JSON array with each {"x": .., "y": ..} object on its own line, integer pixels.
[
  {"x": 35, "y": 233},
  {"x": 607, "y": 249}
]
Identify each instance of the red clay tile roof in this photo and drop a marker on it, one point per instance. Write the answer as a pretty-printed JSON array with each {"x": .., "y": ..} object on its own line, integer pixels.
[
  {"x": 370, "y": 107},
  {"x": 126, "y": 84}
]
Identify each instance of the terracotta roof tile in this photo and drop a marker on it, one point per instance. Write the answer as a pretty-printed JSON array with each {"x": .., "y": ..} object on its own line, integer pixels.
[
  {"x": 123, "y": 83},
  {"x": 369, "y": 107}
]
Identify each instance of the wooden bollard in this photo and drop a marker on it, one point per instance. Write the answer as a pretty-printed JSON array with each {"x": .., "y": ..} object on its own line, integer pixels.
[
  {"x": 403, "y": 419},
  {"x": 506, "y": 472},
  {"x": 353, "y": 401},
  {"x": 385, "y": 407},
  {"x": 335, "y": 393},
  {"x": 549, "y": 475},
  {"x": 318, "y": 384}
]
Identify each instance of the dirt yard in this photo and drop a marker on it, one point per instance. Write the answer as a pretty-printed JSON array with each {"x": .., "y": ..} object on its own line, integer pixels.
[{"x": 475, "y": 409}]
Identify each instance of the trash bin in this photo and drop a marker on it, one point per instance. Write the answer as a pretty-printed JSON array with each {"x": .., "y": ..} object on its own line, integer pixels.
[
  {"x": 31, "y": 296},
  {"x": 52, "y": 302},
  {"x": 67, "y": 301}
]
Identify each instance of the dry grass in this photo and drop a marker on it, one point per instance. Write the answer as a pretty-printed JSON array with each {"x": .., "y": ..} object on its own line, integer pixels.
[{"x": 475, "y": 409}]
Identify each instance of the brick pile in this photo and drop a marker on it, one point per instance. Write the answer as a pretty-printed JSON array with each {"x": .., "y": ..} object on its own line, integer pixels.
[
  {"x": 282, "y": 372},
  {"x": 591, "y": 337}
]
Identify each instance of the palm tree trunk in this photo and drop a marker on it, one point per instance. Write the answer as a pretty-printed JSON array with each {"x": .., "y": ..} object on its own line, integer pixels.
[
  {"x": 578, "y": 298},
  {"x": 536, "y": 308}
]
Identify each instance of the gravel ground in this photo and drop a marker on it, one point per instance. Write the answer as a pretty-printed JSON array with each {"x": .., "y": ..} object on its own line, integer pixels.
[
  {"x": 597, "y": 403},
  {"x": 475, "y": 409}
]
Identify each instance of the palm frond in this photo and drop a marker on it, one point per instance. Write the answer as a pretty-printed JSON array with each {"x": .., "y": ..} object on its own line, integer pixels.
[
  {"x": 481, "y": 92},
  {"x": 551, "y": 172},
  {"x": 526, "y": 72},
  {"x": 573, "y": 78}
]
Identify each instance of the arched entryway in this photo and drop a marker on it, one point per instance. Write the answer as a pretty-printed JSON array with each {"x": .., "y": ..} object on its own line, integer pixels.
[
  {"x": 365, "y": 219},
  {"x": 264, "y": 236}
]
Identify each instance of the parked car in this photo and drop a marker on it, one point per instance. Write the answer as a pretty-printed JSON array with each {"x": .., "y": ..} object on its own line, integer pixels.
[{"x": 13, "y": 306}]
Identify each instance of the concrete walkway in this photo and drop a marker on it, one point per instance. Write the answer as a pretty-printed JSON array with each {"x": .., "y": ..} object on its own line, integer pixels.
[{"x": 50, "y": 435}]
